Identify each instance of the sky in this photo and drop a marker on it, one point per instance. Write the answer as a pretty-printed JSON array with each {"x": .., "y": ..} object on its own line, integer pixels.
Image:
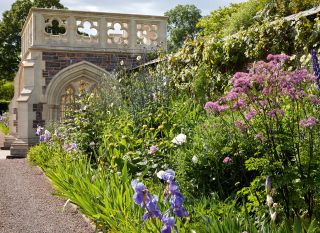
[{"x": 146, "y": 7}]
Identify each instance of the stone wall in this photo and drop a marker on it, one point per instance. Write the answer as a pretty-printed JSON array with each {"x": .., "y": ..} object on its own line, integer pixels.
[{"x": 56, "y": 61}]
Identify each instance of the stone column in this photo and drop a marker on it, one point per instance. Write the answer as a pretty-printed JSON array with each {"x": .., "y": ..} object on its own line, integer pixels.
[{"x": 25, "y": 134}]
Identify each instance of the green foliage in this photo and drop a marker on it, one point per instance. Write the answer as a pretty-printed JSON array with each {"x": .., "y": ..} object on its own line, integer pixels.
[
  {"x": 182, "y": 24},
  {"x": 6, "y": 90},
  {"x": 10, "y": 29},
  {"x": 216, "y": 22},
  {"x": 218, "y": 58},
  {"x": 266, "y": 124},
  {"x": 4, "y": 129},
  {"x": 4, "y": 122},
  {"x": 229, "y": 20}
]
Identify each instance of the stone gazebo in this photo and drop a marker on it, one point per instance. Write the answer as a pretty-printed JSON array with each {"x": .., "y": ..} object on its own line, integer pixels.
[{"x": 62, "y": 50}]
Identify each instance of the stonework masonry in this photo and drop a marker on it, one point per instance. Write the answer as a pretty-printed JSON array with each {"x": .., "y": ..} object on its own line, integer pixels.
[
  {"x": 56, "y": 61},
  {"x": 64, "y": 50}
]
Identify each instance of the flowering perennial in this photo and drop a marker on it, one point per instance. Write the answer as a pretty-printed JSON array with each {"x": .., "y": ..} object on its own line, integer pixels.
[
  {"x": 227, "y": 160},
  {"x": 179, "y": 139},
  {"x": 308, "y": 122},
  {"x": 316, "y": 68},
  {"x": 143, "y": 198},
  {"x": 153, "y": 149}
]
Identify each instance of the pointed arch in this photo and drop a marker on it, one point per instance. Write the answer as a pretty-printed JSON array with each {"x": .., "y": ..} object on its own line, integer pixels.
[{"x": 79, "y": 71}]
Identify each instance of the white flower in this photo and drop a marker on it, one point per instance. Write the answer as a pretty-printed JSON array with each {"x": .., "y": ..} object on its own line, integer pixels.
[
  {"x": 159, "y": 174},
  {"x": 180, "y": 139},
  {"x": 121, "y": 63},
  {"x": 194, "y": 159},
  {"x": 269, "y": 200}
]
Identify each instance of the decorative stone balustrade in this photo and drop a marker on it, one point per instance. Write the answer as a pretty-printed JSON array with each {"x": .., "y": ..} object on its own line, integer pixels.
[{"x": 92, "y": 31}]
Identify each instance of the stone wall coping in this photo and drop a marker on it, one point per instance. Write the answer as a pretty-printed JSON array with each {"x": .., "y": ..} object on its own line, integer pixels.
[
  {"x": 92, "y": 31},
  {"x": 66, "y": 12}
]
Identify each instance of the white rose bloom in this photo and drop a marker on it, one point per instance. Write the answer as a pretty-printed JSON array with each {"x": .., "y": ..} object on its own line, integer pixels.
[
  {"x": 194, "y": 159},
  {"x": 180, "y": 139}
]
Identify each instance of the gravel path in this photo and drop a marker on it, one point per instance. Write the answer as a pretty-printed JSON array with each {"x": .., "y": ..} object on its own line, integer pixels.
[{"x": 27, "y": 204}]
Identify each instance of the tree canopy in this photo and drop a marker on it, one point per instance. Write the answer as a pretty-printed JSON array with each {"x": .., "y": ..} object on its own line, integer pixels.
[
  {"x": 229, "y": 20},
  {"x": 10, "y": 29},
  {"x": 181, "y": 24}
]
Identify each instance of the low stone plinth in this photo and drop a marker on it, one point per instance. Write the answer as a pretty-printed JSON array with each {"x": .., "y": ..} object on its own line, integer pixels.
[
  {"x": 19, "y": 149},
  {"x": 8, "y": 140}
]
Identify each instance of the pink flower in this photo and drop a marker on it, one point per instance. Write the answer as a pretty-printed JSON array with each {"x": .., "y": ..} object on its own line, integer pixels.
[
  {"x": 231, "y": 95},
  {"x": 252, "y": 113},
  {"x": 299, "y": 76},
  {"x": 277, "y": 57},
  {"x": 239, "y": 104},
  {"x": 227, "y": 160},
  {"x": 263, "y": 103},
  {"x": 275, "y": 112},
  {"x": 308, "y": 122},
  {"x": 241, "y": 82},
  {"x": 260, "y": 137},
  {"x": 153, "y": 149},
  {"x": 266, "y": 90},
  {"x": 214, "y": 107},
  {"x": 314, "y": 99},
  {"x": 241, "y": 126}
]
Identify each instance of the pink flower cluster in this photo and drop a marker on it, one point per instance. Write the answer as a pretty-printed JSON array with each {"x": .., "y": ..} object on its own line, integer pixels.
[
  {"x": 241, "y": 126},
  {"x": 308, "y": 122},
  {"x": 275, "y": 113},
  {"x": 314, "y": 99},
  {"x": 252, "y": 113},
  {"x": 214, "y": 107},
  {"x": 277, "y": 57}
]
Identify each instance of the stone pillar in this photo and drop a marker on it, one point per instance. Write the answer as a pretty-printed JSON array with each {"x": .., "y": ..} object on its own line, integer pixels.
[{"x": 25, "y": 132}]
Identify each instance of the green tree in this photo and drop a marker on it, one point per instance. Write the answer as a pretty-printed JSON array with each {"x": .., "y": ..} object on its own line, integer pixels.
[
  {"x": 182, "y": 23},
  {"x": 10, "y": 29},
  {"x": 229, "y": 20},
  {"x": 215, "y": 23}
]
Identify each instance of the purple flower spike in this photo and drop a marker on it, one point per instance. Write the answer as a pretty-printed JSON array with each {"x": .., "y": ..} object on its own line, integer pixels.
[{"x": 316, "y": 68}]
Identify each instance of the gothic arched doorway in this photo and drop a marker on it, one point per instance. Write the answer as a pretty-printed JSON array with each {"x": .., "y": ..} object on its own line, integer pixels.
[{"x": 66, "y": 86}]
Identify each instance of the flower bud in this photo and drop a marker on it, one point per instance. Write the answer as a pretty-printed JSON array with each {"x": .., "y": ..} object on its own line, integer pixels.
[{"x": 268, "y": 184}]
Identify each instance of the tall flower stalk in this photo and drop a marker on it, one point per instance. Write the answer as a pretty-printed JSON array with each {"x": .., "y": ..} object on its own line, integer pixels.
[{"x": 316, "y": 68}]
